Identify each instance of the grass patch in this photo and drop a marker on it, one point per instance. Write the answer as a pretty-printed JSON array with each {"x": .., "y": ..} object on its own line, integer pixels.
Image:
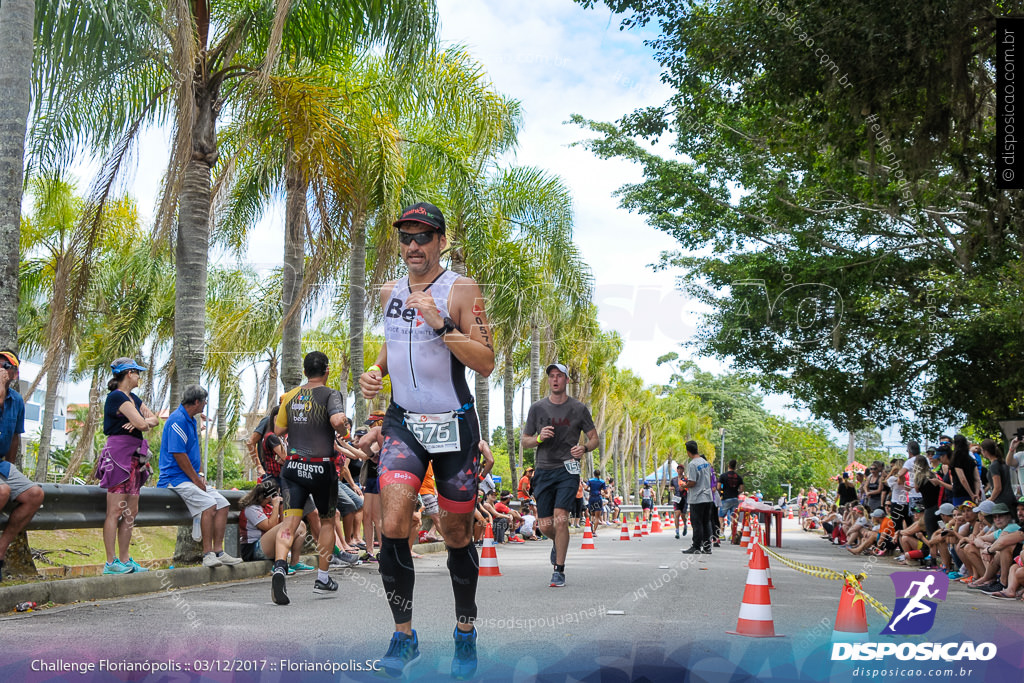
[{"x": 148, "y": 543}]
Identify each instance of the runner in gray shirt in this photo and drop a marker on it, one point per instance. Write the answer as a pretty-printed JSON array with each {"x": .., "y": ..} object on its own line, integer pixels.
[
  {"x": 698, "y": 481},
  {"x": 553, "y": 426}
]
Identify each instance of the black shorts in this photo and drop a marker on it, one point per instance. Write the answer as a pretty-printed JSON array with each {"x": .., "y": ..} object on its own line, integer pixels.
[
  {"x": 680, "y": 506},
  {"x": 595, "y": 507},
  {"x": 646, "y": 504},
  {"x": 403, "y": 460},
  {"x": 555, "y": 489},
  {"x": 302, "y": 479}
]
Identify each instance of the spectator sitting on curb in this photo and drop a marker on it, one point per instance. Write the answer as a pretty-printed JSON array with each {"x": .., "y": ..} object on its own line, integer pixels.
[
  {"x": 502, "y": 506},
  {"x": 502, "y": 521},
  {"x": 1015, "y": 575},
  {"x": 26, "y": 494},
  {"x": 939, "y": 541},
  {"x": 911, "y": 539},
  {"x": 997, "y": 549},
  {"x": 859, "y": 521},
  {"x": 180, "y": 460},
  {"x": 260, "y": 521},
  {"x": 882, "y": 536},
  {"x": 528, "y": 527}
]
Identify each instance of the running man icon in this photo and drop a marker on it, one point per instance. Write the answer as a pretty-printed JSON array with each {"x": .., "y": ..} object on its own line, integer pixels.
[{"x": 913, "y": 614}]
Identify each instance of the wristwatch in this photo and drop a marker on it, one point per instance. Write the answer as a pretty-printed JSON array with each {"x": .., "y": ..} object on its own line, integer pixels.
[{"x": 447, "y": 326}]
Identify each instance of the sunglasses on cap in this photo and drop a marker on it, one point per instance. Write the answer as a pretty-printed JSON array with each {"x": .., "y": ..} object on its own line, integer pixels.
[{"x": 420, "y": 238}]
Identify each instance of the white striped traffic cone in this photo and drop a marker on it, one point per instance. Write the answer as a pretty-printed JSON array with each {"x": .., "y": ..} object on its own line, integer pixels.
[
  {"x": 643, "y": 529},
  {"x": 755, "y": 620},
  {"x": 624, "y": 534},
  {"x": 489, "y": 556},
  {"x": 588, "y": 539}
]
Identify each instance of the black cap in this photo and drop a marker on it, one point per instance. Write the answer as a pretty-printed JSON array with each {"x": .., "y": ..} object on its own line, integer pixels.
[{"x": 425, "y": 213}]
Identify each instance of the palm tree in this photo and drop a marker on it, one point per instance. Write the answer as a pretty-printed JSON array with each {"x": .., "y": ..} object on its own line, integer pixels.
[
  {"x": 103, "y": 73},
  {"x": 16, "y": 24},
  {"x": 63, "y": 256}
]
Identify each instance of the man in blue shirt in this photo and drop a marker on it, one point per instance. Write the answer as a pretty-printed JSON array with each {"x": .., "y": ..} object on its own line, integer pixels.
[
  {"x": 180, "y": 465},
  {"x": 14, "y": 485},
  {"x": 596, "y": 504}
]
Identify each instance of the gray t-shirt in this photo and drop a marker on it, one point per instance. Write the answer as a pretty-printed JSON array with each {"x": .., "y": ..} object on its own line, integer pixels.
[
  {"x": 699, "y": 470},
  {"x": 570, "y": 419}
]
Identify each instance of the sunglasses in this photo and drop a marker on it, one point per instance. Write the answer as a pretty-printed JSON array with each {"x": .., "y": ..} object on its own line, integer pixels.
[
  {"x": 6, "y": 364},
  {"x": 420, "y": 238}
]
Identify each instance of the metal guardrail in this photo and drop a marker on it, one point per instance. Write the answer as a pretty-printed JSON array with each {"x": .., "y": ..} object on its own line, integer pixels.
[{"x": 69, "y": 506}]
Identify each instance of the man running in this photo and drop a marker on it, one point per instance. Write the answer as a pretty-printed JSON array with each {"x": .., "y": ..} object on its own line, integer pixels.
[
  {"x": 434, "y": 328},
  {"x": 679, "y": 493},
  {"x": 597, "y": 486},
  {"x": 311, "y": 415},
  {"x": 553, "y": 427}
]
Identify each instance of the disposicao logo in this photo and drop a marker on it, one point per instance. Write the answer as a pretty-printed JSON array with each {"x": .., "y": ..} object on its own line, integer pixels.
[{"x": 914, "y": 615}]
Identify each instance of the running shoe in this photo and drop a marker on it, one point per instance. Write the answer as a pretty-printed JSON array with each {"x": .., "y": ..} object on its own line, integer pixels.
[
  {"x": 967, "y": 579},
  {"x": 136, "y": 567},
  {"x": 301, "y": 567},
  {"x": 403, "y": 652},
  {"x": 367, "y": 557},
  {"x": 692, "y": 550},
  {"x": 277, "y": 587},
  {"x": 993, "y": 587},
  {"x": 228, "y": 559},
  {"x": 117, "y": 567},
  {"x": 321, "y": 588},
  {"x": 464, "y": 661},
  {"x": 557, "y": 580},
  {"x": 211, "y": 560},
  {"x": 684, "y": 530},
  {"x": 677, "y": 533},
  {"x": 197, "y": 528}
]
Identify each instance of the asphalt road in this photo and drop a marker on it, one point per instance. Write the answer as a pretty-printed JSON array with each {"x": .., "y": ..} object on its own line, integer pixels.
[{"x": 636, "y": 610}]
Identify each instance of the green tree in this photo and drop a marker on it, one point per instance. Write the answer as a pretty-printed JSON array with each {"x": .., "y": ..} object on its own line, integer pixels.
[
  {"x": 832, "y": 195},
  {"x": 103, "y": 71}
]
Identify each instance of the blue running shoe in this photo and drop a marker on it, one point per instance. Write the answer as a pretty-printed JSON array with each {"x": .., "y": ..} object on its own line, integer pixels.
[
  {"x": 117, "y": 567},
  {"x": 136, "y": 567},
  {"x": 464, "y": 661},
  {"x": 403, "y": 652}
]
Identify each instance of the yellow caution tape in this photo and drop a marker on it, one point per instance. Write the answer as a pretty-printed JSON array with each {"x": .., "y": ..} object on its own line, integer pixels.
[{"x": 851, "y": 579}]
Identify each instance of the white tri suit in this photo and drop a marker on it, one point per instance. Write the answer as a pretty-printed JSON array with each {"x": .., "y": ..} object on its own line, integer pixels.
[{"x": 431, "y": 417}]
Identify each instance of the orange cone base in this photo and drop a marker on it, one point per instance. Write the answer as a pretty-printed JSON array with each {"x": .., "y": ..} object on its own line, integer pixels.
[{"x": 851, "y": 620}]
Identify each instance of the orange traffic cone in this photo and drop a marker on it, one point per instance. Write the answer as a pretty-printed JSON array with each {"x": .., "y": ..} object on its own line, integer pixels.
[
  {"x": 588, "y": 539},
  {"x": 790, "y": 513},
  {"x": 624, "y": 534},
  {"x": 851, "y": 621},
  {"x": 489, "y": 556},
  {"x": 767, "y": 564},
  {"x": 643, "y": 529},
  {"x": 755, "y": 620},
  {"x": 745, "y": 539},
  {"x": 656, "y": 523},
  {"x": 637, "y": 532}
]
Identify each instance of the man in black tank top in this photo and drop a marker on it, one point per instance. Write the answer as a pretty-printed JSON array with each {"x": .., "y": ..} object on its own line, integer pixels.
[{"x": 429, "y": 343}]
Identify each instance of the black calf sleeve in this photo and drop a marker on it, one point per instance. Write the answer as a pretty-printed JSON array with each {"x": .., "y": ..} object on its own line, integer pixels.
[
  {"x": 464, "y": 568},
  {"x": 398, "y": 575}
]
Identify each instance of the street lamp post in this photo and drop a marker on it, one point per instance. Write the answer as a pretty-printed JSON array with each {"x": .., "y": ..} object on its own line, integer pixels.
[{"x": 721, "y": 467}]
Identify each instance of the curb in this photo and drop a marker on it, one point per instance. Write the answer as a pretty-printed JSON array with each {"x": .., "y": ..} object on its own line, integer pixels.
[{"x": 105, "y": 587}]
